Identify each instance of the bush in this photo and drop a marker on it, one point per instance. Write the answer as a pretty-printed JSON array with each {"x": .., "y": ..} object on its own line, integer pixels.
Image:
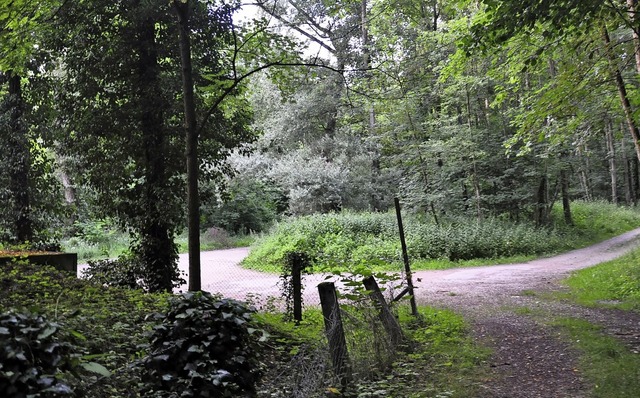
[
  {"x": 329, "y": 239},
  {"x": 31, "y": 356},
  {"x": 346, "y": 240},
  {"x": 125, "y": 271},
  {"x": 251, "y": 206},
  {"x": 203, "y": 347}
]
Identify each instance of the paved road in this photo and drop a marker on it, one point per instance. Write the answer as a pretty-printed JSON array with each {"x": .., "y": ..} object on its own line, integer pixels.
[
  {"x": 221, "y": 273},
  {"x": 500, "y": 279}
]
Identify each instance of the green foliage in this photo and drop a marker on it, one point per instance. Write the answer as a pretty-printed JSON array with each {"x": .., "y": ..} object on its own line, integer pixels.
[
  {"x": 126, "y": 271},
  {"x": 606, "y": 362},
  {"x": 327, "y": 239},
  {"x": 614, "y": 283},
  {"x": 32, "y": 357},
  {"x": 203, "y": 347},
  {"x": 348, "y": 241},
  {"x": 248, "y": 206},
  {"x": 106, "y": 325},
  {"x": 300, "y": 262},
  {"x": 598, "y": 220}
]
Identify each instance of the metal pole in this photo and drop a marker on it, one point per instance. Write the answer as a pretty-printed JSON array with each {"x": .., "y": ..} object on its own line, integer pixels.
[{"x": 405, "y": 258}]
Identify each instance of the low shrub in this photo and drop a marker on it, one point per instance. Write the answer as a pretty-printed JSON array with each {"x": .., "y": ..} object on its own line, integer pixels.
[
  {"x": 125, "y": 271},
  {"x": 32, "y": 357},
  {"x": 342, "y": 241},
  {"x": 203, "y": 347}
]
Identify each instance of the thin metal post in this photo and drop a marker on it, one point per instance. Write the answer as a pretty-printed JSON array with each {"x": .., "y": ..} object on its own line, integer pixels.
[{"x": 405, "y": 258}]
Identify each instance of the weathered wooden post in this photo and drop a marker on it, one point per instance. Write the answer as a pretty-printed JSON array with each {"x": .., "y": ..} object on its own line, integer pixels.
[
  {"x": 405, "y": 258},
  {"x": 296, "y": 276},
  {"x": 296, "y": 263},
  {"x": 385, "y": 315},
  {"x": 335, "y": 332}
]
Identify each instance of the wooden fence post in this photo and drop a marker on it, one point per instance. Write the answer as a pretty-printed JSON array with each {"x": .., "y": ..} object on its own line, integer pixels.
[
  {"x": 296, "y": 276},
  {"x": 389, "y": 321},
  {"x": 335, "y": 332}
]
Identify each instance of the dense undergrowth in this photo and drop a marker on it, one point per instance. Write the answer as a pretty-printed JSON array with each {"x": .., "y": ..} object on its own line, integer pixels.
[
  {"x": 137, "y": 340},
  {"x": 350, "y": 240}
]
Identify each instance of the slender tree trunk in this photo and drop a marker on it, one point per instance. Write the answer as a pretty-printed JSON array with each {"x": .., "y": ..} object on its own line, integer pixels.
[
  {"x": 622, "y": 91},
  {"x": 541, "y": 202},
  {"x": 611, "y": 156},
  {"x": 19, "y": 161},
  {"x": 627, "y": 170},
  {"x": 632, "y": 7},
  {"x": 476, "y": 188},
  {"x": 372, "y": 142},
  {"x": 584, "y": 172},
  {"x": 193, "y": 198},
  {"x": 566, "y": 202},
  {"x": 636, "y": 179}
]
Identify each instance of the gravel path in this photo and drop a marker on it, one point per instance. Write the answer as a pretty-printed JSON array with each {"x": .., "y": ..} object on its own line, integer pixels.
[{"x": 530, "y": 359}]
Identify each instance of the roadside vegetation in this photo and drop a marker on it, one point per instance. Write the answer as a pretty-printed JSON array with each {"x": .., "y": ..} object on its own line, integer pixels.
[
  {"x": 117, "y": 342},
  {"x": 101, "y": 239},
  {"x": 610, "y": 365},
  {"x": 347, "y": 240},
  {"x": 607, "y": 362}
]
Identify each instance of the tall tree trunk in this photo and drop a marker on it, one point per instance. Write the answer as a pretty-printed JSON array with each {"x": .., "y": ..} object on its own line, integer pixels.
[
  {"x": 632, "y": 7},
  {"x": 584, "y": 173},
  {"x": 372, "y": 142},
  {"x": 611, "y": 156},
  {"x": 636, "y": 179},
  {"x": 156, "y": 247},
  {"x": 193, "y": 198},
  {"x": 628, "y": 186},
  {"x": 566, "y": 202},
  {"x": 476, "y": 188},
  {"x": 622, "y": 91},
  {"x": 19, "y": 161},
  {"x": 540, "y": 216}
]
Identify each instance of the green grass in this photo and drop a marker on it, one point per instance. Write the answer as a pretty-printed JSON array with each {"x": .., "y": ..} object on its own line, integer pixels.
[
  {"x": 612, "y": 369},
  {"x": 614, "y": 283},
  {"x": 607, "y": 363},
  {"x": 444, "y": 360},
  {"x": 347, "y": 240}
]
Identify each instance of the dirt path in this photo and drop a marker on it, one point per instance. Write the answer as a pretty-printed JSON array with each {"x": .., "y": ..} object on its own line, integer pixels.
[{"x": 530, "y": 359}]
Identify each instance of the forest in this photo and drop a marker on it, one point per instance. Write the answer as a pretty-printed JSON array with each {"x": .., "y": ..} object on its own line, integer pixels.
[
  {"x": 158, "y": 117},
  {"x": 195, "y": 114}
]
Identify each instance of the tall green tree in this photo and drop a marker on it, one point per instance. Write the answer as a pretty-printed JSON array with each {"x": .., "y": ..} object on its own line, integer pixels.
[
  {"x": 120, "y": 81},
  {"x": 23, "y": 23}
]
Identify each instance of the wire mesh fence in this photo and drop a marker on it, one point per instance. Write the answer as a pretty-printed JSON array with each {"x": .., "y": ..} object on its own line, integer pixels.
[{"x": 221, "y": 273}]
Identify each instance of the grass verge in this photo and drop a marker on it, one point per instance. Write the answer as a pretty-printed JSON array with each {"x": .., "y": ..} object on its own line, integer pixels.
[
  {"x": 443, "y": 360},
  {"x": 612, "y": 284},
  {"x": 607, "y": 363},
  {"x": 612, "y": 369}
]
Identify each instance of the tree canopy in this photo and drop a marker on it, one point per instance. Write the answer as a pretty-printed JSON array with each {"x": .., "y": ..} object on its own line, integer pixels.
[{"x": 490, "y": 109}]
